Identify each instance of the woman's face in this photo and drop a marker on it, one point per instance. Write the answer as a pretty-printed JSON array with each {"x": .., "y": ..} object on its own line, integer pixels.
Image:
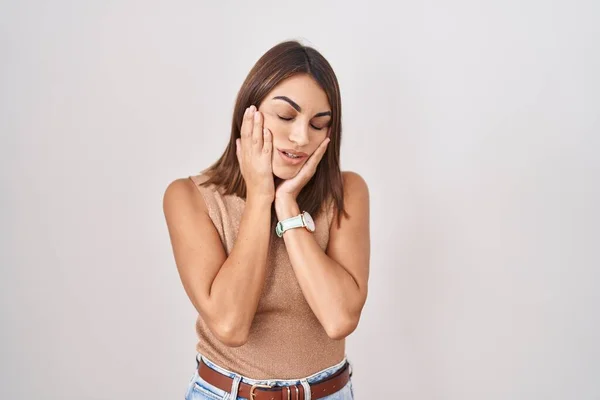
[{"x": 298, "y": 114}]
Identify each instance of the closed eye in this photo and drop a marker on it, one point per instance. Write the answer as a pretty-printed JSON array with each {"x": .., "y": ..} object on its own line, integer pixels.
[{"x": 311, "y": 125}]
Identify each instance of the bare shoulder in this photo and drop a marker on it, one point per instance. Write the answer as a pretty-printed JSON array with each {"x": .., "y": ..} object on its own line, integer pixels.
[
  {"x": 353, "y": 178},
  {"x": 355, "y": 186},
  {"x": 356, "y": 199},
  {"x": 182, "y": 194}
]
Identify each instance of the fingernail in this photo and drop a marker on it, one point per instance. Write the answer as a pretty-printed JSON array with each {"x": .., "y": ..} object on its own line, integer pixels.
[
  {"x": 252, "y": 108},
  {"x": 256, "y": 116}
]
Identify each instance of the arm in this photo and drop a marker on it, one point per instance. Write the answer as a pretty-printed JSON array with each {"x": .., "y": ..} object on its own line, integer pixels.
[
  {"x": 334, "y": 282},
  {"x": 224, "y": 290}
]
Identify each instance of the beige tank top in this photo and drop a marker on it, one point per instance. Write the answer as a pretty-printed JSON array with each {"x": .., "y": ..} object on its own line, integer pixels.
[{"x": 286, "y": 339}]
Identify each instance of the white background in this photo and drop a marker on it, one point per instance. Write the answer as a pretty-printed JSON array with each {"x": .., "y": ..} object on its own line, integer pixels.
[{"x": 475, "y": 124}]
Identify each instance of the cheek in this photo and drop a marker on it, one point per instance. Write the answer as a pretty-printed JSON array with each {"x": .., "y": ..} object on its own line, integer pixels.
[
  {"x": 278, "y": 130},
  {"x": 318, "y": 138},
  {"x": 279, "y": 134}
]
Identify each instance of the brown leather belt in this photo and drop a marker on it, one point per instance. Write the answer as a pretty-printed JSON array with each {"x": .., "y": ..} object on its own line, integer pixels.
[{"x": 264, "y": 392}]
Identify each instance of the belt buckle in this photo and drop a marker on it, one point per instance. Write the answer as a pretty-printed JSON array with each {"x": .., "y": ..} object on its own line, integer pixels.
[{"x": 257, "y": 386}]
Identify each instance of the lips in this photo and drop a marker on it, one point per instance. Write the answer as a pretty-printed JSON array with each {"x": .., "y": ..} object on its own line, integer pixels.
[
  {"x": 295, "y": 153},
  {"x": 284, "y": 154}
]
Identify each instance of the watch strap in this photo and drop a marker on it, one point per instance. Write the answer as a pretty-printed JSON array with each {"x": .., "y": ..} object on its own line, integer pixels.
[{"x": 289, "y": 223}]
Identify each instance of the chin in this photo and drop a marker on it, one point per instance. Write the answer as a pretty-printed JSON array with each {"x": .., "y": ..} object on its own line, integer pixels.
[{"x": 285, "y": 173}]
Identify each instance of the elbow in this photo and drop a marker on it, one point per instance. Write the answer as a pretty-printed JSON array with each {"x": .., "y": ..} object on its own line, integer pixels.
[
  {"x": 341, "y": 329},
  {"x": 345, "y": 323},
  {"x": 231, "y": 335},
  {"x": 230, "y": 329}
]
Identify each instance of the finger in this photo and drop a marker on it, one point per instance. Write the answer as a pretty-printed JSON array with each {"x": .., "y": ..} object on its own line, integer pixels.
[
  {"x": 257, "y": 131},
  {"x": 268, "y": 141},
  {"x": 238, "y": 154},
  {"x": 315, "y": 158},
  {"x": 310, "y": 167},
  {"x": 246, "y": 129},
  {"x": 246, "y": 137}
]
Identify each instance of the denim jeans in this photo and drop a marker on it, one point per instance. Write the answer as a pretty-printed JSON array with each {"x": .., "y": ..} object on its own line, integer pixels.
[{"x": 199, "y": 389}]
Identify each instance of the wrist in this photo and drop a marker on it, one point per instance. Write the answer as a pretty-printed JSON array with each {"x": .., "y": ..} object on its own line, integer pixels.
[
  {"x": 260, "y": 201},
  {"x": 286, "y": 208}
]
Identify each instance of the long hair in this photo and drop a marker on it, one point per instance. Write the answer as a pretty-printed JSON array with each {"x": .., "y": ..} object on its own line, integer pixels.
[{"x": 281, "y": 62}]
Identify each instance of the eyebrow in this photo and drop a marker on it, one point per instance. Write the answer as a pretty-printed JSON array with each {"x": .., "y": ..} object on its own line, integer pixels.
[{"x": 298, "y": 108}]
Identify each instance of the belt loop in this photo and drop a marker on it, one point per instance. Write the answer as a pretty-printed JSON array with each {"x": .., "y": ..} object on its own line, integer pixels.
[
  {"x": 235, "y": 387},
  {"x": 306, "y": 386}
]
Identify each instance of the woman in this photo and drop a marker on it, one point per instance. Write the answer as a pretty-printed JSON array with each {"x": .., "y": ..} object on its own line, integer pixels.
[{"x": 272, "y": 241}]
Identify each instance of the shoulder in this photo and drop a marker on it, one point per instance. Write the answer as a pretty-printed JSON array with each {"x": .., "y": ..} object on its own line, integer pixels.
[
  {"x": 352, "y": 227},
  {"x": 183, "y": 194},
  {"x": 356, "y": 197},
  {"x": 355, "y": 185}
]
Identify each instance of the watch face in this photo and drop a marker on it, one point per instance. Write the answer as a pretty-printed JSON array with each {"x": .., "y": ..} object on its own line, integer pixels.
[{"x": 310, "y": 224}]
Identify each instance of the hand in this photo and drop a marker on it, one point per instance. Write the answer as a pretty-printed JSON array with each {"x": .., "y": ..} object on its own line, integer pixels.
[
  {"x": 254, "y": 152},
  {"x": 290, "y": 188}
]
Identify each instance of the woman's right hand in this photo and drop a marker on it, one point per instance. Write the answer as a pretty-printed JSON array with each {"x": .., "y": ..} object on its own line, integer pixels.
[{"x": 254, "y": 153}]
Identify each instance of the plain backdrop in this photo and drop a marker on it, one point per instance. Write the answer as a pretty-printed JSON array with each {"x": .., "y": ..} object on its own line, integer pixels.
[{"x": 475, "y": 124}]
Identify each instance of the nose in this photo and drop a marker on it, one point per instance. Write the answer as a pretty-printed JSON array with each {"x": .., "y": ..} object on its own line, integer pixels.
[{"x": 299, "y": 135}]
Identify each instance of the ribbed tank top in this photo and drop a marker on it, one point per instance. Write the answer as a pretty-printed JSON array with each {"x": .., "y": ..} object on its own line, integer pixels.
[{"x": 286, "y": 339}]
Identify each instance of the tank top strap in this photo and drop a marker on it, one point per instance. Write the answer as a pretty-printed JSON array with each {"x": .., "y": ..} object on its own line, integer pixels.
[
  {"x": 213, "y": 200},
  {"x": 225, "y": 211},
  {"x": 329, "y": 209},
  {"x": 209, "y": 193}
]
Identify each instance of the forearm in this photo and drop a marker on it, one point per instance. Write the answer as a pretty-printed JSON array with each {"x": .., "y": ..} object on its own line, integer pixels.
[
  {"x": 331, "y": 292},
  {"x": 236, "y": 289}
]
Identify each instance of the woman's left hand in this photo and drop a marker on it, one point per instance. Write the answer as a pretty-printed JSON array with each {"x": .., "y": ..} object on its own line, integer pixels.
[{"x": 290, "y": 188}]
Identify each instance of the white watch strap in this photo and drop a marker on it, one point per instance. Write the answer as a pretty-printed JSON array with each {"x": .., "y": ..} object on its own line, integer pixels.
[{"x": 289, "y": 223}]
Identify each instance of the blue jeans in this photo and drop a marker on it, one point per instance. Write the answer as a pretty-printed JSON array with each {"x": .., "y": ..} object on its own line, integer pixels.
[{"x": 199, "y": 389}]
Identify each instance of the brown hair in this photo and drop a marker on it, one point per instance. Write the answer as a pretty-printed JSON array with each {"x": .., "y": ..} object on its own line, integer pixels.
[{"x": 281, "y": 62}]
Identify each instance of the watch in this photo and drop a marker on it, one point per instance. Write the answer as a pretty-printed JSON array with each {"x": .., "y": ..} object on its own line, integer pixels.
[{"x": 299, "y": 221}]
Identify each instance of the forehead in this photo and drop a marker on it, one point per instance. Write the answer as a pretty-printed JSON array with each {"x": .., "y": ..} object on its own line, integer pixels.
[{"x": 304, "y": 90}]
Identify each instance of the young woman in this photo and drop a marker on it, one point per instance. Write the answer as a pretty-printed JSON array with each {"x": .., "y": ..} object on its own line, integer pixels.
[{"x": 272, "y": 241}]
